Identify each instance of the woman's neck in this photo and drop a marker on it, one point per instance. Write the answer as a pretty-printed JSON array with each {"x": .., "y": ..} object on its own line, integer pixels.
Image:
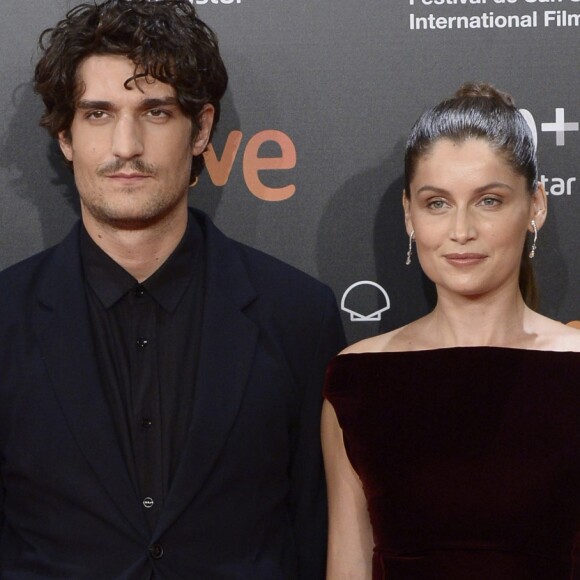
[{"x": 501, "y": 319}]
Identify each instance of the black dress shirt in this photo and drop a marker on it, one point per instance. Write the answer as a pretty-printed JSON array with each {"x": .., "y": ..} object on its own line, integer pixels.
[{"x": 147, "y": 341}]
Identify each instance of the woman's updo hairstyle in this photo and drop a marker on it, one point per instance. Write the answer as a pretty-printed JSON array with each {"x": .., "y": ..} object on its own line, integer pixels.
[{"x": 480, "y": 111}]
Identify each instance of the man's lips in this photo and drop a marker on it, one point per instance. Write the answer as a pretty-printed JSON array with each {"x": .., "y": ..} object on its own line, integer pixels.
[{"x": 128, "y": 176}]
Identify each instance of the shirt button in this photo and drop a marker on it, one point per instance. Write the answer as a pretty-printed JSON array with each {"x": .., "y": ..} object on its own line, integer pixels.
[
  {"x": 139, "y": 291},
  {"x": 148, "y": 502},
  {"x": 142, "y": 342},
  {"x": 156, "y": 551},
  {"x": 146, "y": 423}
]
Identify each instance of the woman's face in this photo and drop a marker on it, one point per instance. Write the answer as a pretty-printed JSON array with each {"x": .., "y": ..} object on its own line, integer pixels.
[{"x": 470, "y": 212}]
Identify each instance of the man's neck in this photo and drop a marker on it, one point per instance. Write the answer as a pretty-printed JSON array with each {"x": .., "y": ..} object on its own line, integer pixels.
[{"x": 139, "y": 251}]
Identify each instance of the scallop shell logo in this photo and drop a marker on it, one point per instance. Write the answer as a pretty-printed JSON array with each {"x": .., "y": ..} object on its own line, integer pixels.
[{"x": 356, "y": 316}]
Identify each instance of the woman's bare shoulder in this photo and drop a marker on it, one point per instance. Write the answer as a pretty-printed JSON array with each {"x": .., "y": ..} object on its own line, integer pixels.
[
  {"x": 557, "y": 336},
  {"x": 398, "y": 340}
]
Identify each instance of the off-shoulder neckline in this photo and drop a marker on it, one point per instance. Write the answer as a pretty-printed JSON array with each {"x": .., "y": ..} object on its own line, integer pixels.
[{"x": 460, "y": 348}]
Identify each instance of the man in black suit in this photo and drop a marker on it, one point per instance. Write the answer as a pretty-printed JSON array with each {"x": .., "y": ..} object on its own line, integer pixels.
[{"x": 160, "y": 384}]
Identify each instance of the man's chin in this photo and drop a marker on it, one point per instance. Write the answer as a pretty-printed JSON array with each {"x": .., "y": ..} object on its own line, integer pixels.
[
  {"x": 132, "y": 220},
  {"x": 136, "y": 222}
]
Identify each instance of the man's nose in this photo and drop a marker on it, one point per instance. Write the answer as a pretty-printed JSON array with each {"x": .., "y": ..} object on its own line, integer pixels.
[{"x": 127, "y": 138}]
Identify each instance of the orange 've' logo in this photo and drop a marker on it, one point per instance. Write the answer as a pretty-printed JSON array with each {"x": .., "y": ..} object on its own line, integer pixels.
[{"x": 219, "y": 169}]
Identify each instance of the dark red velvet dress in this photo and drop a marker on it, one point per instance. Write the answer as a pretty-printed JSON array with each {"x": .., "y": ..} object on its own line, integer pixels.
[{"x": 469, "y": 458}]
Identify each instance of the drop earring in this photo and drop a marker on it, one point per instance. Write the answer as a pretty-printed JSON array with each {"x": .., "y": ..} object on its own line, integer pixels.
[
  {"x": 410, "y": 250},
  {"x": 533, "y": 249}
]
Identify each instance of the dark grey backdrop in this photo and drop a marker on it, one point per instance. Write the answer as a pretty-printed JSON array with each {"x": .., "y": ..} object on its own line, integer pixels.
[{"x": 344, "y": 80}]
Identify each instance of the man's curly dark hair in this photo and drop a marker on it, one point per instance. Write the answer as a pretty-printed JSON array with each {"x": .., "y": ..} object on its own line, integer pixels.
[{"x": 164, "y": 38}]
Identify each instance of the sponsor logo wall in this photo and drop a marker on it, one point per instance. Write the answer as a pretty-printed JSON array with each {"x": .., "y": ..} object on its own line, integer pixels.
[{"x": 307, "y": 161}]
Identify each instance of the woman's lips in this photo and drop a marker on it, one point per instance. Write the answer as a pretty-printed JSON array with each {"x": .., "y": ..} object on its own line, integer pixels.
[{"x": 466, "y": 259}]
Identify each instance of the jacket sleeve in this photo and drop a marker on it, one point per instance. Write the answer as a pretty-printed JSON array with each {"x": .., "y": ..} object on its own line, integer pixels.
[
  {"x": 307, "y": 496},
  {"x": 1, "y": 505}
]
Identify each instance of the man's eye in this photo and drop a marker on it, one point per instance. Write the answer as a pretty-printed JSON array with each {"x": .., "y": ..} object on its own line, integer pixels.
[
  {"x": 96, "y": 115},
  {"x": 158, "y": 113}
]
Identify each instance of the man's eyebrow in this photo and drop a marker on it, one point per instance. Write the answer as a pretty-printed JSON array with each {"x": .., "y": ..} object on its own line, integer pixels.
[
  {"x": 149, "y": 103},
  {"x": 85, "y": 104}
]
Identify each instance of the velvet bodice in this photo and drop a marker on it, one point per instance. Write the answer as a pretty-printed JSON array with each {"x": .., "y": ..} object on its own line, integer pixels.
[{"x": 469, "y": 458}]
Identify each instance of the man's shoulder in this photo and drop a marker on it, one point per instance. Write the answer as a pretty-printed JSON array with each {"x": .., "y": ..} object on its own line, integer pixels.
[
  {"x": 19, "y": 285},
  {"x": 21, "y": 272},
  {"x": 277, "y": 272},
  {"x": 301, "y": 310},
  {"x": 266, "y": 271},
  {"x": 21, "y": 278}
]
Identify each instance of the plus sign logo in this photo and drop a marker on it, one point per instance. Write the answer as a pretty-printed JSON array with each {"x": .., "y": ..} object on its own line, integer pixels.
[{"x": 560, "y": 127}]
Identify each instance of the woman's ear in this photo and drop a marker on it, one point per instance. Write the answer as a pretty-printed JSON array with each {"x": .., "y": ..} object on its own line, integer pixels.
[
  {"x": 407, "y": 209},
  {"x": 539, "y": 206}
]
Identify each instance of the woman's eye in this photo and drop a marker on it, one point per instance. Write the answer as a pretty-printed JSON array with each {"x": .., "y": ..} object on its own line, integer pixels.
[
  {"x": 436, "y": 204},
  {"x": 490, "y": 201}
]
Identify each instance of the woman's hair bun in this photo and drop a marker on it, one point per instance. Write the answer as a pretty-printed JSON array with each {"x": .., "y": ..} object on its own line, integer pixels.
[{"x": 473, "y": 89}]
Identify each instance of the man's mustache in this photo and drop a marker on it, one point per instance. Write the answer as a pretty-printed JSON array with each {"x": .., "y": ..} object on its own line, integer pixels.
[{"x": 135, "y": 165}]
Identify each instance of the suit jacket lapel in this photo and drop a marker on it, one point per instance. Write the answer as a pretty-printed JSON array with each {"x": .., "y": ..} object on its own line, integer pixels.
[
  {"x": 67, "y": 346},
  {"x": 228, "y": 342}
]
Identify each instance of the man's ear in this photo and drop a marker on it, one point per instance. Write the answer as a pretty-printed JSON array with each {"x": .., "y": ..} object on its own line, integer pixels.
[
  {"x": 205, "y": 121},
  {"x": 65, "y": 144},
  {"x": 407, "y": 209}
]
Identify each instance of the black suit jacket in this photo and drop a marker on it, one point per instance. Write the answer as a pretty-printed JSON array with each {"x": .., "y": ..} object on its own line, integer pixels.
[{"x": 247, "y": 501}]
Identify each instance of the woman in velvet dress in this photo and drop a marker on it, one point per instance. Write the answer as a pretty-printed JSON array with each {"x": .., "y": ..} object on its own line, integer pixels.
[{"x": 452, "y": 444}]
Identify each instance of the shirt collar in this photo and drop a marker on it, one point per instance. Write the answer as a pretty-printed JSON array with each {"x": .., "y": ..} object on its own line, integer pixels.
[{"x": 166, "y": 285}]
